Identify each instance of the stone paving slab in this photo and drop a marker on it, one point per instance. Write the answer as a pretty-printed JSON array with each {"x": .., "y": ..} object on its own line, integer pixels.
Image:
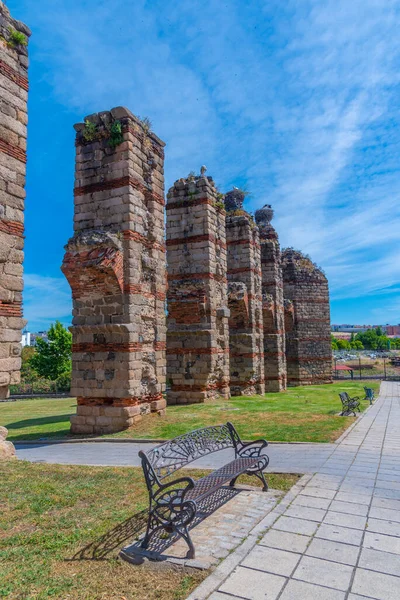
[
  {"x": 228, "y": 519},
  {"x": 350, "y": 553}
]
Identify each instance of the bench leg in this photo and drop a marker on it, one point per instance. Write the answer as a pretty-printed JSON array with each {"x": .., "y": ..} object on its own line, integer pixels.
[
  {"x": 183, "y": 532},
  {"x": 261, "y": 477},
  {"x": 150, "y": 530}
]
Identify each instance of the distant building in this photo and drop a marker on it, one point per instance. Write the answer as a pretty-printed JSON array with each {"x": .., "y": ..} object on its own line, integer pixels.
[
  {"x": 26, "y": 339},
  {"x": 389, "y": 330},
  {"x": 38, "y": 334},
  {"x": 392, "y": 330},
  {"x": 352, "y": 328}
]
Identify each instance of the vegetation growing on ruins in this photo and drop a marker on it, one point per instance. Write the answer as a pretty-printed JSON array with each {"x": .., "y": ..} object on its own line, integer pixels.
[
  {"x": 220, "y": 205},
  {"x": 113, "y": 132},
  {"x": 302, "y": 414},
  {"x": 303, "y": 260},
  {"x": 52, "y": 512},
  {"x": 90, "y": 132},
  {"x": 146, "y": 124},
  {"x": 116, "y": 136},
  {"x": 17, "y": 38}
]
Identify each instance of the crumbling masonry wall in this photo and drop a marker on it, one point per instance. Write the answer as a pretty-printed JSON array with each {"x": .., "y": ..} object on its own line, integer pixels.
[
  {"x": 13, "y": 134},
  {"x": 308, "y": 343},
  {"x": 273, "y": 305},
  {"x": 115, "y": 264},
  {"x": 244, "y": 299},
  {"x": 198, "y": 336}
]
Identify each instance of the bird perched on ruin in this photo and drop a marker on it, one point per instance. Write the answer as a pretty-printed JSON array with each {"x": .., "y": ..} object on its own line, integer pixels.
[{"x": 203, "y": 169}]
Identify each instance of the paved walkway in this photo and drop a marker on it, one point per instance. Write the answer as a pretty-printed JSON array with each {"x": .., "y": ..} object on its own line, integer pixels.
[
  {"x": 339, "y": 538},
  {"x": 284, "y": 458}
]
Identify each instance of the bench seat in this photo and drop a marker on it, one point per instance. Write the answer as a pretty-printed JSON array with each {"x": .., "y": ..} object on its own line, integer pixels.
[{"x": 210, "y": 483}]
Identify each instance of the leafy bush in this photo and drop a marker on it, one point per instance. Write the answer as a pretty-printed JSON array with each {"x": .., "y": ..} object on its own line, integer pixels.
[
  {"x": 63, "y": 382},
  {"x": 116, "y": 135},
  {"x": 90, "y": 132},
  {"x": 40, "y": 386},
  {"x": 17, "y": 38}
]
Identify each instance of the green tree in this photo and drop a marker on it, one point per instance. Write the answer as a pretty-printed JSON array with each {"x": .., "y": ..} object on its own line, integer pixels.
[
  {"x": 334, "y": 343},
  {"x": 369, "y": 339},
  {"x": 357, "y": 345},
  {"x": 343, "y": 344},
  {"x": 53, "y": 357}
]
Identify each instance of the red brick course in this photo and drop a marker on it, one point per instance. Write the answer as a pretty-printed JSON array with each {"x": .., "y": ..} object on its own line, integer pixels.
[
  {"x": 10, "y": 309},
  {"x": 13, "y": 75},
  {"x": 13, "y": 151},
  {"x": 129, "y": 401},
  {"x": 12, "y": 227},
  {"x": 113, "y": 184},
  {"x": 117, "y": 347}
]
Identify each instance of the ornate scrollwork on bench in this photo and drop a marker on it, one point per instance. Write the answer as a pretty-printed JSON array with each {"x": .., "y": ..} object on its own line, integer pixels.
[{"x": 173, "y": 505}]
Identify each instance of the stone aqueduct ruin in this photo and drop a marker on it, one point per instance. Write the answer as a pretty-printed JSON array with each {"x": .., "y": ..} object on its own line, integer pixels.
[{"x": 212, "y": 309}]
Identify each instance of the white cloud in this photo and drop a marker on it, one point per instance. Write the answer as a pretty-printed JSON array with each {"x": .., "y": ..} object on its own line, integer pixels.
[
  {"x": 296, "y": 100},
  {"x": 46, "y": 299}
]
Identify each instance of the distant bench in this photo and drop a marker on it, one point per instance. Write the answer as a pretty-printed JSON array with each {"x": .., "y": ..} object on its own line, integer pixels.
[
  {"x": 369, "y": 394},
  {"x": 349, "y": 405},
  {"x": 173, "y": 505}
]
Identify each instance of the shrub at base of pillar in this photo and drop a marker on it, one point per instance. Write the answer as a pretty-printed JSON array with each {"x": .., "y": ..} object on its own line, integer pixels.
[{"x": 7, "y": 449}]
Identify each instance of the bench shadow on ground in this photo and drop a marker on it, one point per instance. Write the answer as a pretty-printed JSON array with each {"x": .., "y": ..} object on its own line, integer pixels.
[{"x": 132, "y": 529}]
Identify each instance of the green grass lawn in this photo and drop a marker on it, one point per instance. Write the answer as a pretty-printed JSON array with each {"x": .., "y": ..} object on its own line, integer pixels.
[
  {"x": 302, "y": 414},
  {"x": 61, "y": 528}
]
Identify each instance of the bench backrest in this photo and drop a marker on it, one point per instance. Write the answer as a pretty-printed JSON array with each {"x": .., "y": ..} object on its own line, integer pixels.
[
  {"x": 344, "y": 397},
  {"x": 177, "y": 453},
  {"x": 369, "y": 392}
]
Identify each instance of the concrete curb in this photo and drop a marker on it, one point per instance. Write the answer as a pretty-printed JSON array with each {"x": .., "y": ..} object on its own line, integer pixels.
[
  {"x": 225, "y": 568},
  {"x": 43, "y": 442}
]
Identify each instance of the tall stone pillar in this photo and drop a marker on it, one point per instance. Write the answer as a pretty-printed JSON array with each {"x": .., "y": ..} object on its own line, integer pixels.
[
  {"x": 198, "y": 336},
  {"x": 115, "y": 264},
  {"x": 13, "y": 132},
  {"x": 244, "y": 296},
  {"x": 273, "y": 305},
  {"x": 308, "y": 344}
]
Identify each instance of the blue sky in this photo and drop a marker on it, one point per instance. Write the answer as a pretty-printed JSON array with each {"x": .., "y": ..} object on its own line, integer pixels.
[{"x": 297, "y": 101}]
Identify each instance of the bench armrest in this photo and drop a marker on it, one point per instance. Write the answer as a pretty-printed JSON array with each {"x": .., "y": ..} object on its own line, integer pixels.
[
  {"x": 250, "y": 449},
  {"x": 168, "y": 506},
  {"x": 167, "y": 490}
]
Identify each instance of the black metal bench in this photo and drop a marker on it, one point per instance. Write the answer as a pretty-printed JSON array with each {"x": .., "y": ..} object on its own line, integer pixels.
[
  {"x": 173, "y": 504},
  {"x": 369, "y": 394},
  {"x": 349, "y": 405}
]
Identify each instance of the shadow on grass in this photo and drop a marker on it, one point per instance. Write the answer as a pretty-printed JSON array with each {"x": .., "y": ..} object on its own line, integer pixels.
[
  {"x": 132, "y": 528},
  {"x": 39, "y": 421},
  {"x": 104, "y": 545}
]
